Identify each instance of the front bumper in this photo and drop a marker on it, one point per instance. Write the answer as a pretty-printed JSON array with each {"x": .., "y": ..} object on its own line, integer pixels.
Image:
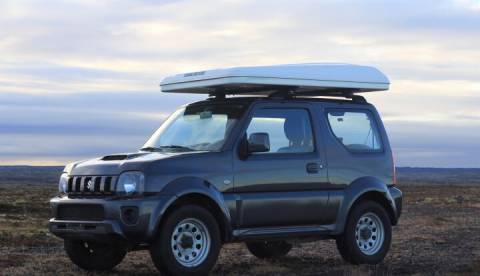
[
  {"x": 87, "y": 230},
  {"x": 113, "y": 223}
]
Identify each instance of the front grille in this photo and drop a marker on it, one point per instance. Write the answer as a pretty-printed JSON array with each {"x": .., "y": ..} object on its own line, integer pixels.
[
  {"x": 91, "y": 185},
  {"x": 80, "y": 212}
]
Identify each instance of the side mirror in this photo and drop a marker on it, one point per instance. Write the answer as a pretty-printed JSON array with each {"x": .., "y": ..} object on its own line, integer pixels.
[{"x": 258, "y": 142}]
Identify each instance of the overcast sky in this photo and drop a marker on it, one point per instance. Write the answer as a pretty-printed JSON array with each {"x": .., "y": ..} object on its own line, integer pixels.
[{"x": 79, "y": 79}]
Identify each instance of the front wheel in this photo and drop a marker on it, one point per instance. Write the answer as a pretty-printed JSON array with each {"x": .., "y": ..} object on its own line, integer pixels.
[
  {"x": 367, "y": 235},
  {"x": 269, "y": 249},
  {"x": 94, "y": 255},
  {"x": 188, "y": 243}
]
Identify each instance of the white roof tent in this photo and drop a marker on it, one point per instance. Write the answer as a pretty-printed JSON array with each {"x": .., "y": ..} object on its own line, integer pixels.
[{"x": 313, "y": 79}]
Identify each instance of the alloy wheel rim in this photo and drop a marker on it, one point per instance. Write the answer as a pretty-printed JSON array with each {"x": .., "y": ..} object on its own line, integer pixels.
[
  {"x": 190, "y": 242},
  {"x": 369, "y": 233}
]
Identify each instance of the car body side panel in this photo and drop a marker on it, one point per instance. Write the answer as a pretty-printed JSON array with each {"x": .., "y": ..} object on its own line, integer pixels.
[
  {"x": 283, "y": 208},
  {"x": 352, "y": 174},
  {"x": 203, "y": 173},
  {"x": 213, "y": 167}
]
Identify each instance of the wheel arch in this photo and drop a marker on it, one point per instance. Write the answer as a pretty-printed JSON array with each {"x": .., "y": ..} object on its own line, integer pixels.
[
  {"x": 192, "y": 190},
  {"x": 366, "y": 188},
  {"x": 379, "y": 198}
]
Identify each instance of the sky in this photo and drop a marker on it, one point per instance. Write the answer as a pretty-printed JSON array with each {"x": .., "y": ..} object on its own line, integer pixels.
[{"x": 79, "y": 79}]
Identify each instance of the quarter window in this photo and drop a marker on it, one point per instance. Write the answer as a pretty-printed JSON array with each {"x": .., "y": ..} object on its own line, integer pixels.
[
  {"x": 289, "y": 130},
  {"x": 355, "y": 129}
]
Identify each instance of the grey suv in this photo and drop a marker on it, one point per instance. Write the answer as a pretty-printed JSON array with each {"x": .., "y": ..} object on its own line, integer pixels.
[{"x": 260, "y": 170}]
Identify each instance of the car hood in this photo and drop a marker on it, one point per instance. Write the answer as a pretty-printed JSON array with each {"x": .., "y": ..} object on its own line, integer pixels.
[{"x": 118, "y": 163}]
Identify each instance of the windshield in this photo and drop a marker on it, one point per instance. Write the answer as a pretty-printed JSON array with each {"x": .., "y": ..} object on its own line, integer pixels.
[{"x": 196, "y": 128}]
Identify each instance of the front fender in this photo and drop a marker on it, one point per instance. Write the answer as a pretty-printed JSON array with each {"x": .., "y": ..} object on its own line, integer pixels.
[
  {"x": 189, "y": 186},
  {"x": 357, "y": 189}
]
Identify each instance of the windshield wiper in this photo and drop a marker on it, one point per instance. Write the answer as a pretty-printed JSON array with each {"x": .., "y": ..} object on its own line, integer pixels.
[
  {"x": 161, "y": 148},
  {"x": 150, "y": 149},
  {"x": 177, "y": 147}
]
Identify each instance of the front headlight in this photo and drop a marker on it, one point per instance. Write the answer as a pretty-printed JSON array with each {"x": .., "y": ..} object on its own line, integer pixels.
[
  {"x": 131, "y": 183},
  {"x": 63, "y": 183}
]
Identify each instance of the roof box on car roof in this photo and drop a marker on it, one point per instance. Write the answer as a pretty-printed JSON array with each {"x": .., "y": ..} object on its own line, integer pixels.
[{"x": 312, "y": 79}]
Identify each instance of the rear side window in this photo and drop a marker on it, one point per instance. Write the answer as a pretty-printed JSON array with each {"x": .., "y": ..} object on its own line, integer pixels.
[{"x": 356, "y": 130}]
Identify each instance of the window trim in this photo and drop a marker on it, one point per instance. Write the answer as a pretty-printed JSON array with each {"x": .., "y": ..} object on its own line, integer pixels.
[
  {"x": 370, "y": 114},
  {"x": 285, "y": 154}
]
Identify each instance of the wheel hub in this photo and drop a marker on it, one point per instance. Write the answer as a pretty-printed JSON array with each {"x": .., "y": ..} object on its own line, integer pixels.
[
  {"x": 186, "y": 241},
  {"x": 365, "y": 233}
]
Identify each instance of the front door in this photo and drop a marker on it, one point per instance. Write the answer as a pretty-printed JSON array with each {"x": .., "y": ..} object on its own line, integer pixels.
[{"x": 284, "y": 186}]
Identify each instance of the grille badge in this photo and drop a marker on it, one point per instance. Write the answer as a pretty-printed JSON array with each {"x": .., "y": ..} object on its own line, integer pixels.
[{"x": 90, "y": 185}]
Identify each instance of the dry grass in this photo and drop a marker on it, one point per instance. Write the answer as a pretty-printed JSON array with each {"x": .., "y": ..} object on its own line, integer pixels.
[{"x": 439, "y": 233}]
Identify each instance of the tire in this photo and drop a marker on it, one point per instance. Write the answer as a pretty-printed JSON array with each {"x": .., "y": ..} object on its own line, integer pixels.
[
  {"x": 188, "y": 242},
  {"x": 369, "y": 243},
  {"x": 269, "y": 249},
  {"x": 94, "y": 255}
]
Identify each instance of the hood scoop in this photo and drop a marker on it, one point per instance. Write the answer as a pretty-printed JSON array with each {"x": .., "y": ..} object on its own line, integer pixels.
[{"x": 116, "y": 157}]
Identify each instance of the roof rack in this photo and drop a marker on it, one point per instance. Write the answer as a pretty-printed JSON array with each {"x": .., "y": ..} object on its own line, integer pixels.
[{"x": 285, "y": 94}]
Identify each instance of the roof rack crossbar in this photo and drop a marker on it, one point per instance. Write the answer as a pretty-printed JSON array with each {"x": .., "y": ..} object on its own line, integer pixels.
[{"x": 290, "y": 92}]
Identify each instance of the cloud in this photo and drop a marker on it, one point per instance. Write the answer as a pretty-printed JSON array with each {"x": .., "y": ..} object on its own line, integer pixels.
[
  {"x": 74, "y": 67},
  {"x": 65, "y": 127}
]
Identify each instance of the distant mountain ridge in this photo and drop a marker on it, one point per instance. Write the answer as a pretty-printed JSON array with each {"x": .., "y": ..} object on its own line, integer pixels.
[
  {"x": 30, "y": 174},
  {"x": 41, "y": 175},
  {"x": 444, "y": 176}
]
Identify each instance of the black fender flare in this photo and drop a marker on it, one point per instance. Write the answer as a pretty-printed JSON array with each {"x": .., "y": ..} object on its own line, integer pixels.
[
  {"x": 185, "y": 186},
  {"x": 358, "y": 188}
]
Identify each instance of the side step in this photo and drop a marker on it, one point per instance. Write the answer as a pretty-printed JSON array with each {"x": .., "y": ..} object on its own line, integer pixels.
[{"x": 282, "y": 232}]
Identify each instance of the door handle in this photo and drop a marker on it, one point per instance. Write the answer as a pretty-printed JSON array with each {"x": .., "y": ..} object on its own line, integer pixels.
[{"x": 314, "y": 167}]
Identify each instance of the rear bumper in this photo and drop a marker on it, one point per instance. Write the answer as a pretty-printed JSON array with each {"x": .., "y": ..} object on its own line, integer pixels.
[
  {"x": 113, "y": 224},
  {"x": 397, "y": 197}
]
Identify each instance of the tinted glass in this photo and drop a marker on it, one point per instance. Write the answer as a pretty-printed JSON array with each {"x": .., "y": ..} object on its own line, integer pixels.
[
  {"x": 355, "y": 129},
  {"x": 289, "y": 130}
]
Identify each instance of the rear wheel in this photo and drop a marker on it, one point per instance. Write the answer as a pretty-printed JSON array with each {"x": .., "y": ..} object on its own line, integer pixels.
[
  {"x": 188, "y": 242},
  {"x": 269, "y": 249},
  {"x": 94, "y": 255},
  {"x": 367, "y": 235}
]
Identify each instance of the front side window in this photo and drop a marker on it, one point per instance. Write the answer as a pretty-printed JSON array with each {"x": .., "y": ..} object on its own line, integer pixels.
[
  {"x": 356, "y": 130},
  {"x": 196, "y": 128},
  {"x": 289, "y": 130}
]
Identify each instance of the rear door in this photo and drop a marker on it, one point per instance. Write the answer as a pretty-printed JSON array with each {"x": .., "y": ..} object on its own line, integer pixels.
[{"x": 285, "y": 186}]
